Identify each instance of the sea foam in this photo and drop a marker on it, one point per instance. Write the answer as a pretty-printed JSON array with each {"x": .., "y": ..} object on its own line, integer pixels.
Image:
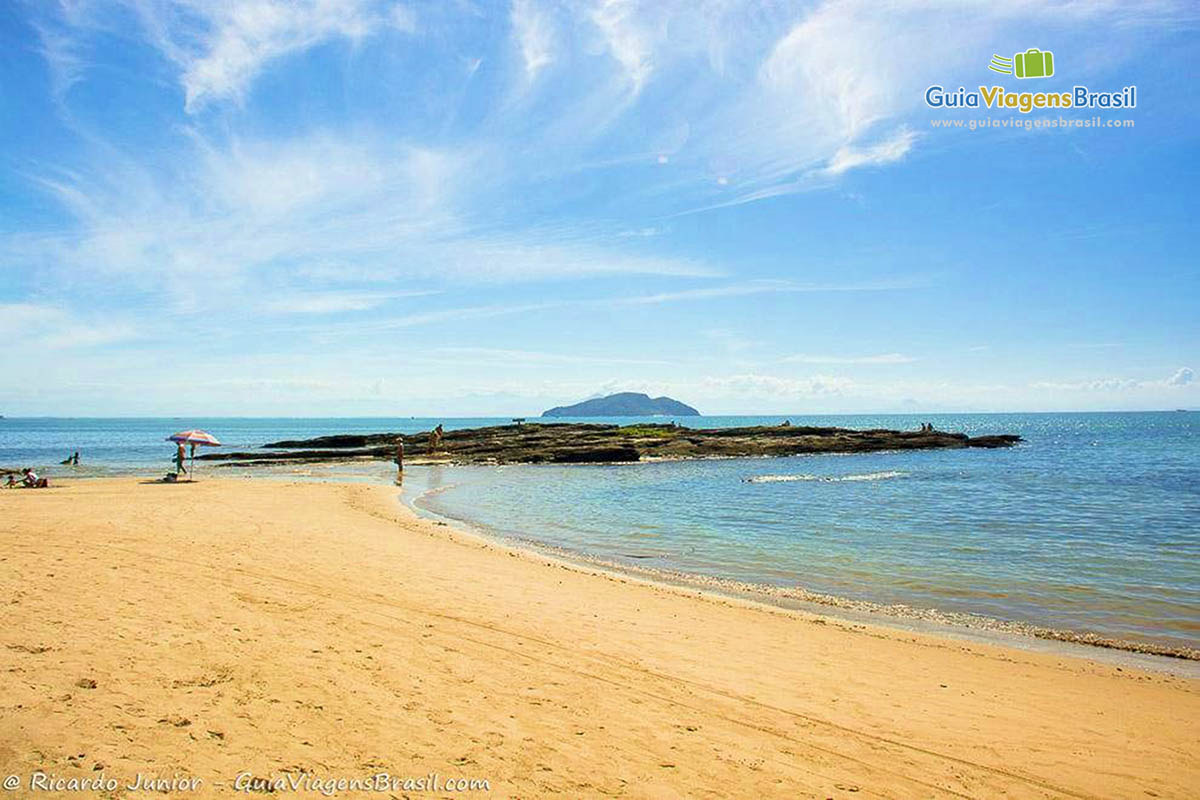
[{"x": 867, "y": 476}]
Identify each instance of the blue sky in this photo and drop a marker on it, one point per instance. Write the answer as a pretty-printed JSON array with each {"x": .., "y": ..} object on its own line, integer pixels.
[{"x": 353, "y": 207}]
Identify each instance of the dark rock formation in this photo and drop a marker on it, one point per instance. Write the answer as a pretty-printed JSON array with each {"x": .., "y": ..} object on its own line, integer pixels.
[
  {"x": 625, "y": 404},
  {"x": 573, "y": 443}
]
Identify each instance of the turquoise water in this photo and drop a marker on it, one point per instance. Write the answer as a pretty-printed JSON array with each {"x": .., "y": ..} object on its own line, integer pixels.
[
  {"x": 1092, "y": 525},
  {"x": 114, "y": 446}
]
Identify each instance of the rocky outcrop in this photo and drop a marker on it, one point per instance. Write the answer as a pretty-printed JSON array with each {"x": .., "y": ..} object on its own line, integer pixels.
[{"x": 568, "y": 443}]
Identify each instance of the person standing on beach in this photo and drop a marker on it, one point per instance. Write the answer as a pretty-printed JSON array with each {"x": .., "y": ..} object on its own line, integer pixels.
[
  {"x": 435, "y": 439},
  {"x": 399, "y": 459},
  {"x": 179, "y": 470}
]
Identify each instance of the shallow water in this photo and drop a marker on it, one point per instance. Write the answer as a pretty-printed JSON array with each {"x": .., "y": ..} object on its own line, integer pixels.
[{"x": 1092, "y": 525}]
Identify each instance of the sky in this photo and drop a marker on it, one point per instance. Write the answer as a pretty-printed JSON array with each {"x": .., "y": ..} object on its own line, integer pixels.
[{"x": 365, "y": 207}]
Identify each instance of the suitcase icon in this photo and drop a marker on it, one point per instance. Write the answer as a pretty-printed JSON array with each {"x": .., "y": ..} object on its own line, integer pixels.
[{"x": 1034, "y": 63}]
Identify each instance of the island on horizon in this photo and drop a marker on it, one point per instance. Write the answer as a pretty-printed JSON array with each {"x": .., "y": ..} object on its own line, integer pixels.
[{"x": 625, "y": 404}]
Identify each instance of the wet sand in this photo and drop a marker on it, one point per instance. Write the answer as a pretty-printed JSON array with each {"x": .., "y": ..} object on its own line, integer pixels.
[{"x": 238, "y": 626}]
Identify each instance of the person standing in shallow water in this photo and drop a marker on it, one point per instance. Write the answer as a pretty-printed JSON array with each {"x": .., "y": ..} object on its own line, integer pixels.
[
  {"x": 435, "y": 439},
  {"x": 399, "y": 459}
]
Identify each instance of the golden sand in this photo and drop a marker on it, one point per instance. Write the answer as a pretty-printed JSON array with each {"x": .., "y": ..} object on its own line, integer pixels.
[{"x": 234, "y": 627}]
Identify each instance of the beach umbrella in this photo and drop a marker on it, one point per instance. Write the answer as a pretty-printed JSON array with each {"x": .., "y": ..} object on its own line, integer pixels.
[{"x": 193, "y": 438}]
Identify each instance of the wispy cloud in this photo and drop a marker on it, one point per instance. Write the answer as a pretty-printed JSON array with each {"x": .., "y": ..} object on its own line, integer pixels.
[
  {"x": 883, "y": 358},
  {"x": 439, "y": 316},
  {"x": 891, "y": 149},
  {"x": 337, "y": 302},
  {"x": 755, "y": 384},
  {"x": 35, "y": 328},
  {"x": 220, "y": 48},
  {"x": 768, "y": 287},
  {"x": 333, "y": 302},
  {"x": 491, "y": 356},
  {"x": 306, "y": 172},
  {"x": 1184, "y": 376},
  {"x": 532, "y": 28},
  {"x": 730, "y": 341},
  {"x": 244, "y": 213},
  {"x": 627, "y": 38}
]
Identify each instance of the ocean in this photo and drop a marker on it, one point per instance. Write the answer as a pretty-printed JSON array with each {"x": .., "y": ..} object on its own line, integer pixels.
[{"x": 1092, "y": 525}]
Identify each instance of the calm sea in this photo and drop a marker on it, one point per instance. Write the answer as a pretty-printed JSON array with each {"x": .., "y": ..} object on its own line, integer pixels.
[{"x": 1092, "y": 525}]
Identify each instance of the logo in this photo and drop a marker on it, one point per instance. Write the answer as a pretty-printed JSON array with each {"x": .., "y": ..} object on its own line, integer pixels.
[{"x": 1033, "y": 63}]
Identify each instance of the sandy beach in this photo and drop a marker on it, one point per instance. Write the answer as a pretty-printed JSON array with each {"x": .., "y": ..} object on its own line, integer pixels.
[{"x": 238, "y": 627}]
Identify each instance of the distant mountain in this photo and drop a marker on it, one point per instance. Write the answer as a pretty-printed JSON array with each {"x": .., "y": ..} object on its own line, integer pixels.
[{"x": 625, "y": 404}]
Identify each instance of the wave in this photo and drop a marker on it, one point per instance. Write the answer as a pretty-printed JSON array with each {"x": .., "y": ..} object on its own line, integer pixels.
[{"x": 868, "y": 476}]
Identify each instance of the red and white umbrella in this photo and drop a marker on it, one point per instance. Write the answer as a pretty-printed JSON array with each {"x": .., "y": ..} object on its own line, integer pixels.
[{"x": 194, "y": 437}]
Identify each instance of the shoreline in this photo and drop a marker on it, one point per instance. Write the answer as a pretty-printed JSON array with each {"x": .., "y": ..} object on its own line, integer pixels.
[
  {"x": 291, "y": 626},
  {"x": 988, "y": 629},
  {"x": 1086, "y": 644}
]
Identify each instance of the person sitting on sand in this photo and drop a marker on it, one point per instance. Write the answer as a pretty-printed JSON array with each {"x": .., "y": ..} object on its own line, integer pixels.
[
  {"x": 12, "y": 482},
  {"x": 32, "y": 481}
]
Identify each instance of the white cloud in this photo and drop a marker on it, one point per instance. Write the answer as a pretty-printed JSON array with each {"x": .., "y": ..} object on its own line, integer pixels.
[
  {"x": 641, "y": 233},
  {"x": 403, "y": 18},
  {"x": 354, "y": 204},
  {"x": 1182, "y": 377},
  {"x": 627, "y": 38},
  {"x": 34, "y": 327},
  {"x": 884, "y": 358},
  {"x": 244, "y": 213},
  {"x": 887, "y": 151},
  {"x": 66, "y": 63},
  {"x": 775, "y": 386},
  {"x": 765, "y": 101},
  {"x": 332, "y": 302},
  {"x": 1097, "y": 385},
  {"x": 532, "y": 29},
  {"x": 837, "y": 60},
  {"x": 439, "y": 316},
  {"x": 495, "y": 356},
  {"x": 766, "y": 287},
  {"x": 221, "y": 47},
  {"x": 731, "y": 342}
]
